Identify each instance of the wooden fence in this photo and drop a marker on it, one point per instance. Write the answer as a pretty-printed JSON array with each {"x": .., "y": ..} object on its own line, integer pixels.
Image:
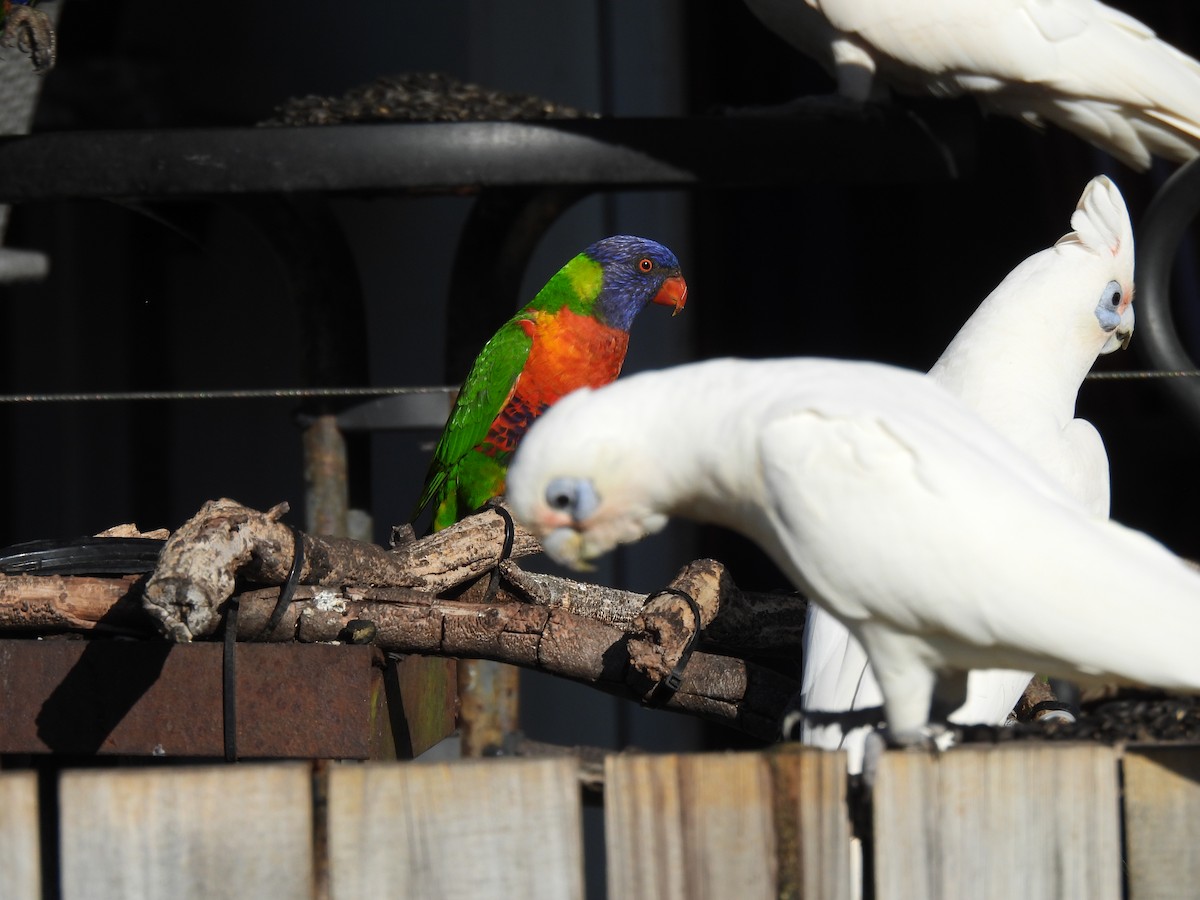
[{"x": 1013, "y": 821}]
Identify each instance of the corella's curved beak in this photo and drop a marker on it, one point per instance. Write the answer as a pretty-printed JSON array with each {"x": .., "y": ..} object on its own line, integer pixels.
[
  {"x": 1122, "y": 334},
  {"x": 1125, "y": 329},
  {"x": 672, "y": 293},
  {"x": 566, "y": 547}
]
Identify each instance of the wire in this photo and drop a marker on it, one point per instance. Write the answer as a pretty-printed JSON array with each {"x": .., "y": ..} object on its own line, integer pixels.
[
  {"x": 236, "y": 394},
  {"x": 314, "y": 393},
  {"x": 1142, "y": 376}
]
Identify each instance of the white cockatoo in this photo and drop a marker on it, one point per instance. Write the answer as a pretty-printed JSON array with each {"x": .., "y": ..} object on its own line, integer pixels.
[
  {"x": 941, "y": 546},
  {"x": 1018, "y": 362},
  {"x": 1082, "y": 65}
]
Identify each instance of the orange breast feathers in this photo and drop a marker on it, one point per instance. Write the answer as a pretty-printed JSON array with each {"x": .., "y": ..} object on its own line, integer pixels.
[{"x": 569, "y": 351}]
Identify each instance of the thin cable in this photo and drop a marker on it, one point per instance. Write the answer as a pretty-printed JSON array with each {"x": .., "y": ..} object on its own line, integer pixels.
[
  {"x": 1142, "y": 376},
  {"x": 235, "y": 394}
]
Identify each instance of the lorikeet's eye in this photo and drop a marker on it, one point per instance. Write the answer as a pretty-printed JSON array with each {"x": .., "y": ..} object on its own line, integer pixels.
[{"x": 645, "y": 264}]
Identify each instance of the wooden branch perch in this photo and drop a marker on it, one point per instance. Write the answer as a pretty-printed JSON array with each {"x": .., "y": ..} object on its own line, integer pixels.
[
  {"x": 613, "y": 640},
  {"x": 225, "y": 540}
]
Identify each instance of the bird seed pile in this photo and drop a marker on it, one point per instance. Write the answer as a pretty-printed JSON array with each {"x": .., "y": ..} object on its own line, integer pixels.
[
  {"x": 419, "y": 97},
  {"x": 1139, "y": 717}
]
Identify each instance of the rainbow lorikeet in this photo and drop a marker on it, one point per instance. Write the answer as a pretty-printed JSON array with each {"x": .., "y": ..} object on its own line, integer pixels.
[{"x": 573, "y": 334}]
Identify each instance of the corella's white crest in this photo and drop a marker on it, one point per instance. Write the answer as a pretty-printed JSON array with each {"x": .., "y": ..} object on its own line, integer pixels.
[
  {"x": 1082, "y": 65},
  {"x": 940, "y": 545},
  {"x": 1018, "y": 362}
]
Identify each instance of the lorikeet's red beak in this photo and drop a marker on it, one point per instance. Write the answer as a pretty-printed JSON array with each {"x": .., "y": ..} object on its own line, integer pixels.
[{"x": 672, "y": 293}]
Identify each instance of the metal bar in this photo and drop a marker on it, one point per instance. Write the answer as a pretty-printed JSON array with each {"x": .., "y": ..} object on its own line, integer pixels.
[
  {"x": 806, "y": 147},
  {"x": 326, "y": 478}
]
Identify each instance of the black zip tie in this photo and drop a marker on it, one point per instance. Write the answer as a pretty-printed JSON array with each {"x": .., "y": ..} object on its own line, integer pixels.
[
  {"x": 289, "y": 586},
  {"x": 229, "y": 679},
  {"x": 666, "y": 689},
  {"x": 510, "y": 536}
]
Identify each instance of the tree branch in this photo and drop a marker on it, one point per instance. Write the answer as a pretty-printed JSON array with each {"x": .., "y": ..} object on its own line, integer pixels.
[{"x": 613, "y": 640}]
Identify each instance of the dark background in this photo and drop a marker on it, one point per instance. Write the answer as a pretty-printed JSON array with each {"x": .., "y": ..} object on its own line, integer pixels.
[{"x": 192, "y": 296}]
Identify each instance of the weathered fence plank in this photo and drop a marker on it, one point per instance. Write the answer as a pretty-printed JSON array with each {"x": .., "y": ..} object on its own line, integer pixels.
[
  {"x": 453, "y": 831},
  {"x": 20, "y": 862},
  {"x": 205, "y": 832},
  {"x": 725, "y": 825},
  {"x": 1006, "y": 821},
  {"x": 1162, "y": 809}
]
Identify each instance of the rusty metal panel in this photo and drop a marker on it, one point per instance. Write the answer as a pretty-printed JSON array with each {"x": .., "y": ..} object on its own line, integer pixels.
[{"x": 159, "y": 699}]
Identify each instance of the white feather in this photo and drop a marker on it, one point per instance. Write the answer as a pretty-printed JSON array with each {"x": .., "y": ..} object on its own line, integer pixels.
[
  {"x": 1077, "y": 63},
  {"x": 937, "y": 542},
  {"x": 1018, "y": 362}
]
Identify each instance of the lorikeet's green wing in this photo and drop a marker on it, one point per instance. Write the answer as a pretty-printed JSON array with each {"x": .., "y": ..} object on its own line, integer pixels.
[{"x": 485, "y": 392}]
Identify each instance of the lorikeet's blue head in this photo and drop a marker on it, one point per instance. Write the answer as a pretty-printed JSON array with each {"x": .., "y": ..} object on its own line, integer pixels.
[{"x": 637, "y": 271}]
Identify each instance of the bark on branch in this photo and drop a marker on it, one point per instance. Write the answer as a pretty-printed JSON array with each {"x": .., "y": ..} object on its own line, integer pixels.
[
  {"x": 202, "y": 561},
  {"x": 613, "y": 640}
]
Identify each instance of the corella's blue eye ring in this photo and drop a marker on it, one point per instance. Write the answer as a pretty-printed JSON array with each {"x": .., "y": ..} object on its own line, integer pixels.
[
  {"x": 1106, "y": 309},
  {"x": 574, "y": 496},
  {"x": 560, "y": 494},
  {"x": 1112, "y": 291}
]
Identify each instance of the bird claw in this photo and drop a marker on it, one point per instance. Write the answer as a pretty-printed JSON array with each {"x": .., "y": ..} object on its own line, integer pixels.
[
  {"x": 934, "y": 736},
  {"x": 32, "y": 33},
  {"x": 790, "y": 724}
]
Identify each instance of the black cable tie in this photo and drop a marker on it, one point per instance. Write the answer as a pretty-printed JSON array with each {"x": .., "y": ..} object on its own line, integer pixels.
[
  {"x": 666, "y": 689},
  {"x": 229, "y": 679},
  {"x": 289, "y": 586},
  {"x": 510, "y": 536}
]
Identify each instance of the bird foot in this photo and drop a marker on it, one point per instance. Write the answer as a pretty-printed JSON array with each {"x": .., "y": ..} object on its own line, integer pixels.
[
  {"x": 934, "y": 736},
  {"x": 31, "y": 32}
]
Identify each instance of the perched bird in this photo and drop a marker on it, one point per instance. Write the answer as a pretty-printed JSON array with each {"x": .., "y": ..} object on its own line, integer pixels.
[
  {"x": 573, "y": 334},
  {"x": 933, "y": 539},
  {"x": 1018, "y": 362},
  {"x": 1082, "y": 65}
]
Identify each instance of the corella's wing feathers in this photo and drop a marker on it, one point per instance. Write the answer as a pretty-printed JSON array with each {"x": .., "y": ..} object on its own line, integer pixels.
[
  {"x": 1035, "y": 583},
  {"x": 1077, "y": 63},
  {"x": 1084, "y": 468}
]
